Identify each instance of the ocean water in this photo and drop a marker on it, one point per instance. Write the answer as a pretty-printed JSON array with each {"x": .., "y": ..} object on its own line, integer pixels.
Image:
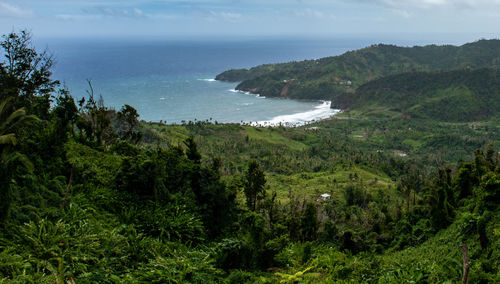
[{"x": 172, "y": 81}]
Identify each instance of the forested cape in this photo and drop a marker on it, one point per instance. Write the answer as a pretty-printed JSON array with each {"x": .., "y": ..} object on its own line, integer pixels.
[
  {"x": 91, "y": 194},
  {"x": 331, "y": 77}
]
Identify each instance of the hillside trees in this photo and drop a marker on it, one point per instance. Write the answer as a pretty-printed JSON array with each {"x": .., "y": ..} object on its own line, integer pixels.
[
  {"x": 335, "y": 78},
  {"x": 254, "y": 185},
  {"x": 26, "y": 74},
  {"x": 162, "y": 176},
  {"x": 25, "y": 80},
  {"x": 309, "y": 222},
  {"x": 128, "y": 120},
  {"x": 95, "y": 119}
]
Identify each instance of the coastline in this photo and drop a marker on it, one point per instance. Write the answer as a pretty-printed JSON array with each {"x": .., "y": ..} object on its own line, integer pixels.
[
  {"x": 322, "y": 111},
  {"x": 318, "y": 113}
]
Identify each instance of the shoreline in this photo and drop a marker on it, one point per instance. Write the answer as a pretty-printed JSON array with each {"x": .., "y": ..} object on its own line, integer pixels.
[{"x": 319, "y": 113}]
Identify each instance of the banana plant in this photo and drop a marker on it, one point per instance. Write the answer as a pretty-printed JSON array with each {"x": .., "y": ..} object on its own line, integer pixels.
[{"x": 10, "y": 123}]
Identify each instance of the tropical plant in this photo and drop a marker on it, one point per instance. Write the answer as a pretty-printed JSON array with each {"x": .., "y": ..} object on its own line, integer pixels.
[
  {"x": 254, "y": 185},
  {"x": 10, "y": 123}
]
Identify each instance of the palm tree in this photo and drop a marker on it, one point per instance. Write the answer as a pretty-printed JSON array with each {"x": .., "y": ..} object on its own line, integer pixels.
[{"x": 10, "y": 122}]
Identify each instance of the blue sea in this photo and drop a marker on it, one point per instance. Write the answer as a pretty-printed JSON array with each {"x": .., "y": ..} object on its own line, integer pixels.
[{"x": 173, "y": 81}]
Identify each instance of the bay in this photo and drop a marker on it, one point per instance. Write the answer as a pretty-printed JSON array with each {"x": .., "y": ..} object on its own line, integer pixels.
[{"x": 172, "y": 80}]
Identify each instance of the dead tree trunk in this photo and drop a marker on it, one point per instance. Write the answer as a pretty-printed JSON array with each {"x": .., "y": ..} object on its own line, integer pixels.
[
  {"x": 67, "y": 188},
  {"x": 465, "y": 254}
]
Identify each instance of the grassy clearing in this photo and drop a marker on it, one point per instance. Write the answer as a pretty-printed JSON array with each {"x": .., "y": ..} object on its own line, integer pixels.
[
  {"x": 311, "y": 185},
  {"x": 277, "y": 137}
]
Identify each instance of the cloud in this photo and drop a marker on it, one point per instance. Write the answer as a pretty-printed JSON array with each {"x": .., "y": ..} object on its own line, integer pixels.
[
  {"x": 69, "y": 17},
  {"x": 311, "y": 13},
  {"x": 165, "y": 17},
  {"x": 97, "y": 13},
  {"x": 138, "y": 12},
  {"x": 407, "y": 9},
  {"x": 213, "y": 16},
  {"x": 228, "y": 16},
  {"x": 402, "y": 13},
  {"x": 11, "y": 11},
  {"x": 115, "y": 12},
  {"x": 429, "y": 4}
]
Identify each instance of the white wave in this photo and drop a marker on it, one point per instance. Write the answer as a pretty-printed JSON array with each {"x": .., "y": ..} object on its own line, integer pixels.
[
  {"x": 244, "y": 104},
  {"x": 245, "y": 93},
  {"x": 162, "y": 98},
  {"x": 319, "y": 112},
  {"x": 207, "y": 80}
]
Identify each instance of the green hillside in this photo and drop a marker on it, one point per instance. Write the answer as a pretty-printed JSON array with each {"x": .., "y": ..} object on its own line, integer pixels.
[
  {"x": 329, "y": 77},
  {"x": 465, "y": 95}
]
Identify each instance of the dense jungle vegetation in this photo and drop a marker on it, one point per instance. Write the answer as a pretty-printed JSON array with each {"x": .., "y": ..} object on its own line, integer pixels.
[
  {"x": 91, "y": 194},
  {"x": 463, "y": 95}
]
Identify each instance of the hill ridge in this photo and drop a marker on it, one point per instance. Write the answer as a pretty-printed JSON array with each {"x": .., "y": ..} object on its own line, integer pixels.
[{"x": 329, "y": 77}]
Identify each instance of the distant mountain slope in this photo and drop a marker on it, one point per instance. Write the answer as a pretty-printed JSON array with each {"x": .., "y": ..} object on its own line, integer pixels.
[
  {"x": 464, "y": 95},
  {"x": 330, "y": 77}
]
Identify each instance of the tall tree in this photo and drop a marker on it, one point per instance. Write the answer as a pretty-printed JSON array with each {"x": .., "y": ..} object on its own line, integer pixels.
[
  {"x": 26, "y": 74},
  {"x": 128, "y": 117},
  {"x": 254, "y": 185},
  {"x": 96, "y": 119},
  {"x": 192, "y": 150},
  {"x": 309, "y": 223}
]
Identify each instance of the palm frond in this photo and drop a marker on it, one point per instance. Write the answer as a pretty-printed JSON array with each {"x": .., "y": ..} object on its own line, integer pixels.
[
  {"x": 22, "y": 121},
  {"x": 8, "y": 157},
  {"x": 8, "y": 139},
  {"x": 4, "y": 105},
  {"x": 10, "y": 119}
]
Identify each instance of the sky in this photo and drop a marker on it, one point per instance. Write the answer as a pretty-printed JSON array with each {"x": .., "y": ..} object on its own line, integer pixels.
[{"x": 463, "y": 19}]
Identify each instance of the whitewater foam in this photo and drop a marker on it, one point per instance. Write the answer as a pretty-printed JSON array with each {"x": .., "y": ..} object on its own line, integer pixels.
[
  {"x": 207, "y": 80},
  {"x": 245, "y": 104},
  {"x": 298, "y": 119},
  {"x": 247, "y": 93},
  {"x": 319, "y": 112}
]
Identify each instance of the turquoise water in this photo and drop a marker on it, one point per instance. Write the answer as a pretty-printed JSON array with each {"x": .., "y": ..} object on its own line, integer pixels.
[{"x": 173, "y": 81}]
